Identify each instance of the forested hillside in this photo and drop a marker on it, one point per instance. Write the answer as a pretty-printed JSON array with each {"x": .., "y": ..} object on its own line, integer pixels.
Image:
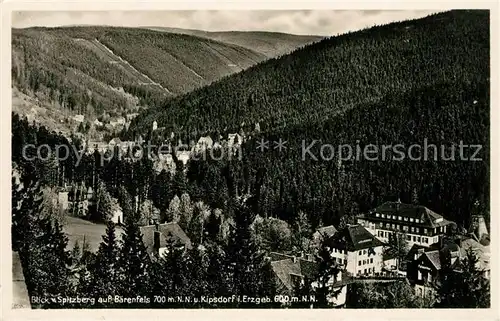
[
  {"x": 271, "y": 44},
  {"x": 337, "y": 74},
  {"x": 96, "y": 71},
  {"x": 397, "y": 84}
]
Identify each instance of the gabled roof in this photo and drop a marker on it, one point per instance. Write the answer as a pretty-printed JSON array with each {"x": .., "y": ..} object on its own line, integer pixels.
[
  {"x": 434, "y": 258},
  {"x": 284, "y": 270},
  {"x": 169, "y": 232},
  {"x": 327, "y": 231},
  {"x": 420, "y": 212},
  {"x": 353, "y": 238}
]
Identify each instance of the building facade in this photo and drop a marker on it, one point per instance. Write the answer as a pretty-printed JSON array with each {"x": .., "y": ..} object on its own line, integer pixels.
[
  {"x": 357, "y": 250},
  {"x": 421, "y": 225}
]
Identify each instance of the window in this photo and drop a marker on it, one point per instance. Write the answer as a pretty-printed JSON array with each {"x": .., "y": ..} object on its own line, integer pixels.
[
  {"x": 387, "y": 225},
  {"x": 414, "y": 238},
  {"x": 399, "y": 218},
  {"x": 398, "y": 227},
  {"x": 425, "y": 230},
  {"x": 371, "y": 260},
  {"x": 408, "y": 237},
  {"x": 419, "y": 275},
  {"x": 412, "y": 229},
  {"x": 360, "y": 252},
  {"x": 359, "y": 263},
  {"x": 393, "y": 226},
  {"x": 405, "y": 228},
  {"x": 364, "y": 251},
  {"x": 418, "y": 239},
  {"x": 405, "y": 219},
  {"x": 365, "y": 271},
  {"x": 411, "y": 219},
  {"x": 364, "y": 262},
  {"x": 383, "y": 215},
  {"x": 417, "y": 220},
  {"x": 426, "y": 240},
  {"x": 377, "y": 214},
  {"x": 394, "y": 217}
]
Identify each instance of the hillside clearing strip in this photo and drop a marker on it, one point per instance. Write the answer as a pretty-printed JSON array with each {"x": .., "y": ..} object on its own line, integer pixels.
[{"x": 132, "y": 67}]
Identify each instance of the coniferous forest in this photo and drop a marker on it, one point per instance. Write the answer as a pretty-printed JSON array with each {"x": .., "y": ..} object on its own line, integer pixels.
[{"x": 407, "y": 83}]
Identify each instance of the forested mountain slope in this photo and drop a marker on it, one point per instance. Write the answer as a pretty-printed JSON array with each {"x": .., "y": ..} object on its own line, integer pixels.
[
  {"x": 335, "y": 74},
  {"x": 271, "y": 44},
  {"x": 403, "y": 83},
  {"x": 97, "y": 70}
]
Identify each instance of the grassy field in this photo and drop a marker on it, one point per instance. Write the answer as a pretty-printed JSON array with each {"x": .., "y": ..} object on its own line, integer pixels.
[{"x": 78, "y": 229}]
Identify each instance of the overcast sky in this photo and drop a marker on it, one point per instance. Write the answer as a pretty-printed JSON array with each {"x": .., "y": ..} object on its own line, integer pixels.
[{"x": 312, "y": 22}]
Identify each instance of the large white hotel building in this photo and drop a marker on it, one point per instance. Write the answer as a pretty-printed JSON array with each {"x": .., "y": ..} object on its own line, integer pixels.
[{"x": 420, "y": 225}]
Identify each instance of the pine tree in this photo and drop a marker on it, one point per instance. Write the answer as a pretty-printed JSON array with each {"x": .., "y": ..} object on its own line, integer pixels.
[
  {"x": 245, "y": 263},
  {"x": 134, "y": 262},
  {"x": 105, "y": 270},
  {"x": 171, "y": 273},
  {"x": 464, "y": 286},
  {"x": 42, "y": 247},
  {"x": 324, "y": 277}
]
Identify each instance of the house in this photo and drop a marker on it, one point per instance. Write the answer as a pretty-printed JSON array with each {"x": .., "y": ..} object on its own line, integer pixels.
[
  {"x": 357, "y": 250},
  {"x": 322, "y": 234},
  {"x": 204, "y": 143},
  {"x": 290, "y": 271},
  {"x": 156, "y": 238},
  {"x": 79, "y": 118},
  {"x": 131, "y": 116},
  {"x": 183, "y": 156},
  {"x": 62, "y": 200},
  {"x": 481, "y": 251},
  {"x": 420, "y": 224},
  {"x": 425, "y": 264},
  {"x": 93, "y": 146},
  {"x": 234, "y": 140},
  {"x": 117, "y": 217},
  {"x": 97, "y": 123},
  {"x": 478, "y": 229},
  {"x": 114, "y": 142}
]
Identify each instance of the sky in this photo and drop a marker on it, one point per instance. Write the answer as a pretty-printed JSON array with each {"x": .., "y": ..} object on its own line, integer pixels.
[{"x": 306, "y": 22}]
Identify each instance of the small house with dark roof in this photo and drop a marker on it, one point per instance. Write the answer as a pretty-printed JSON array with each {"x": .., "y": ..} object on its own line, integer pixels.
[
  {"x": 291, "y": 271},
  {"x": 158, "y": 237},
  {"x": 424, "y": 264},
  {"x": 323, "y": 233},
  {"x": 421, "y": 225},
  {"x": 357, "y": 250}
]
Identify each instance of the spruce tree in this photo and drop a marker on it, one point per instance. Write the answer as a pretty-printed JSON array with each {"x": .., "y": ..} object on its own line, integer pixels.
[
  {"x": 465, "y": 285},
  {"x": 324, "y": 277},
  {"x": 105, "y": 273},
  {"x": 134, "y": 262},
  {"x": 245, "y": 263}
]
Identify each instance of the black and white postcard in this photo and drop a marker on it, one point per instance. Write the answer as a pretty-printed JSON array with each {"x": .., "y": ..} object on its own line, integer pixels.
[{"x": 250, "y": 159}]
